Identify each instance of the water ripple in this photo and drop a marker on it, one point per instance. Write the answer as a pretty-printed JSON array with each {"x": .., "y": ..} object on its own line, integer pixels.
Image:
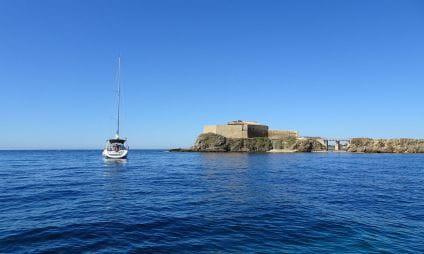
[{"x": 160, "y": 202}]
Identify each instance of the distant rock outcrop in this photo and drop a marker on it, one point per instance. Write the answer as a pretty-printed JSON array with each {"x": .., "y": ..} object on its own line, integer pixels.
[{"x": 403, "y": 145}]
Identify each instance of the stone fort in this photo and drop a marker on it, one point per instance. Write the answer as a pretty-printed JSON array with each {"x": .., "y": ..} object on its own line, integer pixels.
[{"x": 248, "y": 129}]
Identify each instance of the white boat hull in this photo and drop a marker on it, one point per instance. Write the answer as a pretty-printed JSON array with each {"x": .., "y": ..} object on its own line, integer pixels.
[{"x": 121, "y": 154}]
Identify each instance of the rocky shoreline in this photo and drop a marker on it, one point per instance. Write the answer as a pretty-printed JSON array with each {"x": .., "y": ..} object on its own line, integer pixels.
[
  {"x": 403, "y": 145},
  {"x": 210, "y": 142}
]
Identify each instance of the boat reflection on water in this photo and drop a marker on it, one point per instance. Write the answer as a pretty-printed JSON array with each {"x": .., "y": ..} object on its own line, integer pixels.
[
  {"x": 114, "y": 167},
  {"x": 112, "y": 162}
]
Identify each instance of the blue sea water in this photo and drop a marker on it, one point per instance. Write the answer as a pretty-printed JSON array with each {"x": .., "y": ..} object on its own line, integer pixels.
[{"x": 161, "y": 202}]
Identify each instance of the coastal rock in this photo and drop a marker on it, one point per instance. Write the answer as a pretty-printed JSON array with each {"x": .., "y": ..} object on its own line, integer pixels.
[
  {"x": 284, "y": 143},
  {"x": 257, "y": 144},
  {"x": 403, "y": 145},
  {"x": 308, "y": 145},
  {"x": 293, "y": 144},
  {"x": 210, "y": 142}
]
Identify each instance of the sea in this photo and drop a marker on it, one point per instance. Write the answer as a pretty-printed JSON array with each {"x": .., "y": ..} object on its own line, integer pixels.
[{"x": 74, "y": 201}]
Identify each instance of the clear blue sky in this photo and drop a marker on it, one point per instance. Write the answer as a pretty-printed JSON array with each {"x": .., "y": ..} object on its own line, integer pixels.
[{"x": 328, "y": 68}]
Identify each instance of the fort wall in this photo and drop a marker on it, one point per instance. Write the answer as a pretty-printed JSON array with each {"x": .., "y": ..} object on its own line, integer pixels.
[
  {"x": 254, "y": 131},
  {"x": 281, "y": 134},
  {"x": 228, "y": 131},
  {"x": 245, "y": 129}
]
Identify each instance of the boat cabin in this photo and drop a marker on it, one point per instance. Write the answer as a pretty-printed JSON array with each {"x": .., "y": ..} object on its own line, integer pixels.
[{"x": 116, "y": 145}]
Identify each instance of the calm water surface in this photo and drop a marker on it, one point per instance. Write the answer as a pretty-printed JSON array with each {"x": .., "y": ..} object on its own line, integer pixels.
[{"x": 160, "y": 202}]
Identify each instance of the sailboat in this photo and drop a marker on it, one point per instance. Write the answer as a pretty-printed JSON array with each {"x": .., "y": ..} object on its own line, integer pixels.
[{"x": 116, "y": 147}]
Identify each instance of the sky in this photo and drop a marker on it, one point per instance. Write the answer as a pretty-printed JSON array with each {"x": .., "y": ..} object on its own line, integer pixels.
[{"x": 325, "y": 68}]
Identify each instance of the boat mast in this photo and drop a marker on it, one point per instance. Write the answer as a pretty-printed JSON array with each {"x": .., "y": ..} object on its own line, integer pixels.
[{"x": 119, "y": 92}]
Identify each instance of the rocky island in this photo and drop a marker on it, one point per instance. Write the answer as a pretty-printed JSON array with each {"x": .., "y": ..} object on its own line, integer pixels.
[
  {"x": 248, "y": 136},
  {"x": 210, "y": 142}
]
